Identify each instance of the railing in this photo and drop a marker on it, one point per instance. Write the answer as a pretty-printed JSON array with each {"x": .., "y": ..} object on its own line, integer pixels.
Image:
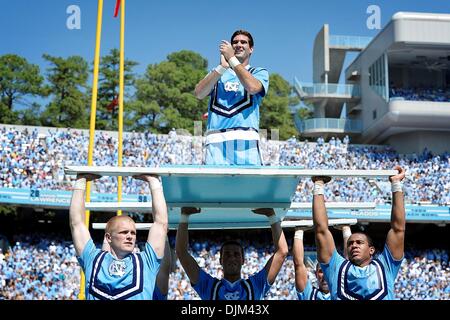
[
  {"x": 324, "y": 89},
  {"x": 349, "y": 41},
  {"x": 328, "y": 124}
]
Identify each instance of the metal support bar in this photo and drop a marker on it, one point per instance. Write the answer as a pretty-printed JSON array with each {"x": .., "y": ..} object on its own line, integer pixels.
[
  {"x": 147, "y": 206},
  {"x": 309, "y": 223}
]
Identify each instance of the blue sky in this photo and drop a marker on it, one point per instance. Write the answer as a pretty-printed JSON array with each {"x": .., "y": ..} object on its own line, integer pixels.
[{"x": 284, "y": 30}]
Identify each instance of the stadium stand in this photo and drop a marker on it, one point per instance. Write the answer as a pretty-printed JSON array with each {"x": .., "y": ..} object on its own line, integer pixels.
[
  {"x": 36, "y": 160},
  {"x": 42, "y": 266}
]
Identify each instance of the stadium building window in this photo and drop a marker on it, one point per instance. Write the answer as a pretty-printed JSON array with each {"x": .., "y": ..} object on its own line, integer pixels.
[{"x": 378, "y": 77}]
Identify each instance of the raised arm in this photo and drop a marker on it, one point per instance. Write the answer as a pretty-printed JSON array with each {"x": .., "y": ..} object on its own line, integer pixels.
[
  {"x": 275, "y": 263},
  {"x": 105, "y": 244},
  {"x": 158, "y": 232},
  {"x": 80, "y": 232},
  {"x": 396, "y": 236},
  {"x": 346, "y": 233},
  {"x": 301, "y": 273},
  {"x": 205, "y": 86},
  {"x": 250, "y": 83},
  {"x": 324, "y": 238},
  {"x": 181, "y": 246},
  {"x": 162, "y": 279}
]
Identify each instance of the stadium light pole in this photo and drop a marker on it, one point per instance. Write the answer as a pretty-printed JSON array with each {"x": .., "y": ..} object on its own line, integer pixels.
[{"x": 82, "y": 294}]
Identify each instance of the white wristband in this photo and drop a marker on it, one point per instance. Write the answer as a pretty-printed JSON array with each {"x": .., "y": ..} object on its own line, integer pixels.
[
  {"x": 184, "y": 218},
  {"x": 220, "y": 70},
  {"x": 396, "y": 186},
  {"x": 233, "y": 62},
  {"x": 80, "y": 184},
  {"x": 318, "y": 188},
  {"x": 298, "y": 234},
  {"x": 273, "y": 219},
  {"x": 346, "y": 232}
]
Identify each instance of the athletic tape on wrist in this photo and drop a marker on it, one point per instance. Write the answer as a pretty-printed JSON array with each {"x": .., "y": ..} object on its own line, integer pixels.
[
  {"x": 396, "y": 186},
  {"x": 298, "y": 234},
  {"x": 346, "y": 232},
  {"x": 318, "y": 188},
  {"x": 233, "y": 62},
  {"x": 184, "y": 218},
  {"x": 155, "y": 184},
  {"x": 80, "y": 184},
  {"x": 220, "y": 70}
]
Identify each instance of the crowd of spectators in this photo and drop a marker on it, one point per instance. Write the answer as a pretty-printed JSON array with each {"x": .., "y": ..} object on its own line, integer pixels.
[
  {"x": 420, "y": 94},
  {"x": 37, "y": 268},
  {"x": 36, "y": 160}
]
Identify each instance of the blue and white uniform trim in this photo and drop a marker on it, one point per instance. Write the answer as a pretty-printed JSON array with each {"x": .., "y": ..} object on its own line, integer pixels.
[
  {"x": 253, "y": 288},
  {"x": 236, "y": 108},
  {"x": 314, "y": 293},
  {"x": 104, "y": 293},
  {"x": 247, "y": 285},
  {"x": 344, "y": 293},
  {"x": 228, "y": 112}
]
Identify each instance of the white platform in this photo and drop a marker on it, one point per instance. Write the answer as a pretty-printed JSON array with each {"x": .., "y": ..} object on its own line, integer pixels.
[{"x": 226, "y": 194}]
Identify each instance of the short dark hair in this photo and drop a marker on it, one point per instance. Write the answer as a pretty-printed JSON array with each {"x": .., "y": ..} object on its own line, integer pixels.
[
  {"x": 369, "y": 238},
  {"x": 245, "y": 33},
  {"x": 232, "y": 243}
]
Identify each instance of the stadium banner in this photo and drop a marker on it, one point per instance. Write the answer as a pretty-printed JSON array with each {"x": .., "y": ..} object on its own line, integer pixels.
[
  {"x": 61, "y": 200},
  {"x": 382, "y": 213},
  {"x": 58, "y": 199}
]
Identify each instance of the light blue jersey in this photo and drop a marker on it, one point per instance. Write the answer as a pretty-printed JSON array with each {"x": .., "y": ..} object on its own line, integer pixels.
[
  {"x": 108, "y": 278},
  {"x": 253, "y": 288},
  {"x": 231, "y": 106},
  {"x": 312, "y": 293},
  {"x": 372, "y": 282},
  {"x": 233, "y": 120}
]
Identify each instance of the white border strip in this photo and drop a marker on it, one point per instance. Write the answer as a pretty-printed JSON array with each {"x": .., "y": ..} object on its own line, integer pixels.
[{"x": 208, "y": 171}]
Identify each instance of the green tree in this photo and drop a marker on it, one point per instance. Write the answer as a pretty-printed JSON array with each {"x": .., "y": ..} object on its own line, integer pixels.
[
  {"x": 164, "y": 95},
  {"x": 7, "y": 115},
  {"x": 67, "y": 79},
  {"x": 19, "y": 80},
  {"x": 274, "y": 112},
  {"x": 30, "y": 116},
  {"x": 305, "y": 113},
  {"x": 108, "y": 91}
]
